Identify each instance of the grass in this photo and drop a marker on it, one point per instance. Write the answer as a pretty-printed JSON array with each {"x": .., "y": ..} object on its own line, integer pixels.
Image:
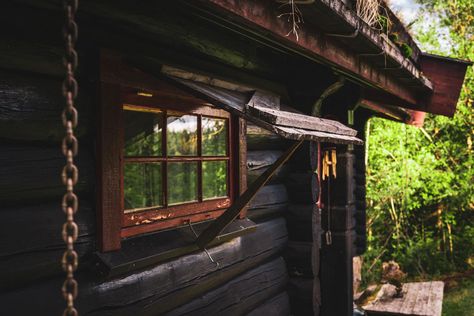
[{"x": 459, "y": 300}]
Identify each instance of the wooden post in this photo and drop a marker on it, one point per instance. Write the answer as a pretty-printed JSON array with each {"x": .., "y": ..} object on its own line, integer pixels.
[{"x": 231, "y": 213}]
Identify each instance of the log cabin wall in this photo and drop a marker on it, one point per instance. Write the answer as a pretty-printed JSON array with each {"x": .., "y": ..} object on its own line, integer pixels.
[
  {"x": 258, "y": 273},
  {"x": 251, "y": 277}
]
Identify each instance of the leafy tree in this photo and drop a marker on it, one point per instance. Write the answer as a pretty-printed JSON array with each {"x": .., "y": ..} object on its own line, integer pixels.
[{"x": 421, "y": 181}]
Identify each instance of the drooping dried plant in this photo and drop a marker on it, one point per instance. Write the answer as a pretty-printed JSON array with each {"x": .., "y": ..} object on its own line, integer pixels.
[
  {"x": 293, "y": 16},
  {"x": 369, "y": 11}
]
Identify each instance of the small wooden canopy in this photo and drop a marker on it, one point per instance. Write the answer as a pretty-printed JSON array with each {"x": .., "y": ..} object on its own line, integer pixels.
[{"x": 263, "y": 109}]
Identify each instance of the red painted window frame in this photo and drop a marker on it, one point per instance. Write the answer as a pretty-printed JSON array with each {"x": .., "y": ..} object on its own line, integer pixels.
[{"x": 120, "y": 85}]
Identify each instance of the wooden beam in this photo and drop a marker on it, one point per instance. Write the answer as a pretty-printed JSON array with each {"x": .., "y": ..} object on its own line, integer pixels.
[
  {"x": 262, "y": 21},
  {"x": 231, "y": 213},
  {"x": 448, "y": 76}
]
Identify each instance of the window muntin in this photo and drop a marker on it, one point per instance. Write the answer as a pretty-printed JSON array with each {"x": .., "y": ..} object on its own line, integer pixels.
[{"x": 190, "y": 155}]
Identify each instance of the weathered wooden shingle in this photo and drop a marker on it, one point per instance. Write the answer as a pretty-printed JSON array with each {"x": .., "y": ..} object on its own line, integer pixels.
[{"x": 255, "y": 107}]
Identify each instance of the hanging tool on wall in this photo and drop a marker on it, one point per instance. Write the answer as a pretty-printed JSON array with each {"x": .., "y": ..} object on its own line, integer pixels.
[{"x": 329, "y": 163}]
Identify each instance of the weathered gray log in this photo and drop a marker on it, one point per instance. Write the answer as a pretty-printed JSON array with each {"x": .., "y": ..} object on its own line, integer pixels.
[
  {"x": 30, "y": 108},
  {"x": 303, "y": 187},
  {"x": 302, "y": 292},
  {"x": 298, "y": 256},
  {"x": 299, "y": 221},
  {"x": 267, "y": 212},
  {"x": 270, "y": 201},
  {"x": 160, "y": 288},
  {"x": 270, "y": 195},
  {"x": 22, "y": 269},
  {"x": 33, "y": 228},
  {"x": 240, "y": 295},
  {"x": 276, "y": 306},
  {"x": 33, "y": 172},
  {"x": 32, "y": 56},
  {"x": 259, "y": 161},
  {"x": 31, "y": 242}
]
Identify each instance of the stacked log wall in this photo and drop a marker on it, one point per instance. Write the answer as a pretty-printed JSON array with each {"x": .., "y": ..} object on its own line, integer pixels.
[
  {"x": 30, "y": 230},
  {"x": 304, "y": 231}
]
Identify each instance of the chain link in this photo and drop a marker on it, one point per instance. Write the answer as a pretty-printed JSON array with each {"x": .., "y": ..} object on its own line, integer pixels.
[{"x": 70, "y": 173}]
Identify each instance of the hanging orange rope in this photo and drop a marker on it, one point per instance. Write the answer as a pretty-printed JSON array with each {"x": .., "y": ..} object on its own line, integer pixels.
[{"x": 70, "y": 172}]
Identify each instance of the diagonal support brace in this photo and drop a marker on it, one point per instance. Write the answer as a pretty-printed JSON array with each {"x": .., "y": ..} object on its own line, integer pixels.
[{"x": 232, "y": 212}]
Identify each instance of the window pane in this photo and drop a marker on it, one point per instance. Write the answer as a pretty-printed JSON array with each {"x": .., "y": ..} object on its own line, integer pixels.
[
  {"x": 214, "y": 179},
  {"x": 214, "y": 137},
  {"x": 143, "y": 133},
  {"x": 142, "y": 185},
  {"x": 182, "y": 135},
  {"x": 182, "y": 182}
]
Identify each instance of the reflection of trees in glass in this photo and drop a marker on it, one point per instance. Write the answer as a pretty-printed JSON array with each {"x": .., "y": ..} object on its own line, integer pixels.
[
  {"x": 142, "y": 185},
  {"x": 214, "y": 137},
  {"x": 142, "y": 133},
  {"x": 181, "y": 135},
  {"x": 143, "y": 138},
  {"x": 214, "y": 179},
  {"x": 182, "y": 182}
]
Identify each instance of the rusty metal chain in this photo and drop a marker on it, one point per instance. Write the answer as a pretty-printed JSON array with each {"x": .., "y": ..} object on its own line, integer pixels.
[{"x": 70, "y": 173}]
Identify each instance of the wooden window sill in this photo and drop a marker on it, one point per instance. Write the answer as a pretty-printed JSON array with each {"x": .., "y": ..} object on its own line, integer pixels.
[{"x": 142, "y": 251}]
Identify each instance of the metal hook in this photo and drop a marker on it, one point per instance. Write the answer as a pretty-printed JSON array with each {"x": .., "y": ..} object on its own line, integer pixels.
[{"x": 205, "y": 249}]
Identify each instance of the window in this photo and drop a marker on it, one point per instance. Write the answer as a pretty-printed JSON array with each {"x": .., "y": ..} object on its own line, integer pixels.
[
  {"x": 165, "y": 158},
  {"x": 176, "y": 165}
]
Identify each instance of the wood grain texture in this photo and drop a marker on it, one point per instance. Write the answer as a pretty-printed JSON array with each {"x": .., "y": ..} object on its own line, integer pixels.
[
  {"x": 240, "y": 295},
  {"x": 31, "y": 173},
  {"x": 109, "y": 167},
  {"x": 278, "y": 305},
  {"x": 160, "y": 288},
  {"x": 222, "y": 221},
  {"x": 260, "y": 160},
  {"x": 419, "y": 298},
  {"x": 299, "y": 120}
]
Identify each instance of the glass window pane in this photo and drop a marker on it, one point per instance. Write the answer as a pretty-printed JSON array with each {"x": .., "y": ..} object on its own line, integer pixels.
[
  {"x": 214, "y": 179},
  {"x": 182, "y": 135},
  {"x": 142, "y": 185},
  {"x": 143, "y": 133},
  {"x": 214, "y": 137},
  {"x": 182, "y": 182}
]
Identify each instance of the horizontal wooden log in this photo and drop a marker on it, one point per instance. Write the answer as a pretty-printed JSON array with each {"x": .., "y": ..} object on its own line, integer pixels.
[
  {"x": 33, "y": 172},
  {"x": 32, "y": 56},
  {"x": 270, "y": 201},
  {"x": 265, "y": 213},
  {"x": 36, "y": 228},
  {"x": 278, "y": 305},
  {"x": 262, "y": 139},
  {"x": 30, "y": 107},
  {"x": 300, "y": 221},
  {"x": 298, "y": 257},
  {"x": 160, "y": 288},
  {"x": 25, "y": 268},
  {"x": 342, "y": 218},
  {"x": 304, "y": 296},
  {"x": 240, "y": 295},
  {"x": 303, "y": 187},
  {"x": 270, "y": 195},
  {"x": 193, "y": 274},
  {"x": 261, "y": 160}
]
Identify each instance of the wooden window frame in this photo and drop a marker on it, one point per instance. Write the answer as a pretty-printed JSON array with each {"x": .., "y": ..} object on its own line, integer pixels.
[
  {"x": 169, "y": 216},
  {"x": 120, "y": 85}
]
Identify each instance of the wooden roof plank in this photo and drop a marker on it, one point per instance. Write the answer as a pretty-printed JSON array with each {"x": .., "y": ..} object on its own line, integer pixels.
[
  {"x": 290, "y": 119},
  {"x": 286, "y": 124}
]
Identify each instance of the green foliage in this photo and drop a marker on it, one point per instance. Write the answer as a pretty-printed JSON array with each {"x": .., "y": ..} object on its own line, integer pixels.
[
  {"x": 459, "y": 301},
  {"x": 421, "y": 181}
]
